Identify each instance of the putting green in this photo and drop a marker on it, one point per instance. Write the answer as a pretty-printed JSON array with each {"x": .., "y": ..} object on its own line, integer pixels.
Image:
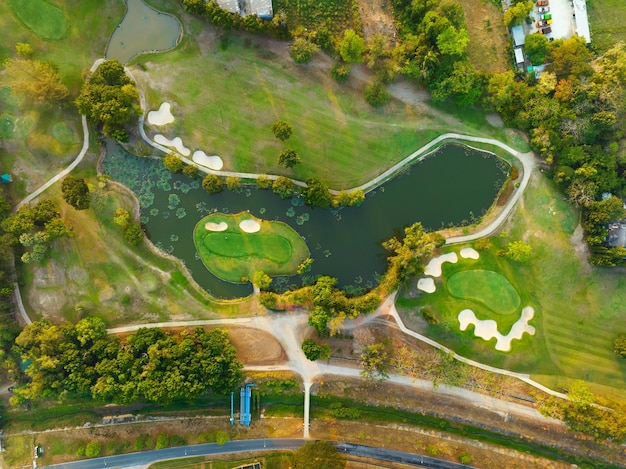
[
  {"x": 233, "y": 254},
  {"x": 487, "y": 287},
  {"x": 43, "y": 18}
]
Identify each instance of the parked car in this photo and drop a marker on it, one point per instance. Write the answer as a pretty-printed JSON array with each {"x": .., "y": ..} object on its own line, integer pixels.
[
  {"x": 543, "y": 23},
  {"x": 546, "y": 30},
  {"x": 544, "y": 9},
  {"x": 542, "y": 3},
  {"x": 547, "y": 16}
]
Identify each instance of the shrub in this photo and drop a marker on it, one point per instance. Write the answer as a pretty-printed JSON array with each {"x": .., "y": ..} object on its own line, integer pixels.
[
  {"x": 338, "y": 411},
  {"x": 314, "y": 351},
  {"x": 620, "y": 345},
  {"x": 301, "y": 51},
  {"x": 24, "y": 50},
  {"x": 269, "y": 300},
  {"x": 121, "y": 217},
  {"x": 376, "y": 95},
  {"x": 233, "y": 183},
  {"x": 134, "y": 234},
  {"x": 483, "y": 244},
  {"x": 465, "y": 458},
  {"x": 163, "y": 441},
  {"x": 221, "y": 437},
  {"x": 80, "y": 452},
  {"x": 212, "y": 184},
  {"x": 190, "y": 170},
  {"x": 281, "y": 130},
  {"x": 289, "y": 158},
  {"x": 430, "y": 316},
  {"x": 173, "y": 163},
  {"x": 141, "y": 442},
  {"x": 284, "y": 187},
  {"x": 263, "y": 182},
  {"x": 92, "y": 449},
  {"x": 261, "y": 280},
  {"x": 340, "y": 72}
]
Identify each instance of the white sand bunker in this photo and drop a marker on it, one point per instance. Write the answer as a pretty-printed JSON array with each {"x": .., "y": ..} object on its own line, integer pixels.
[
  {"x": 249, "y": 226},
  {"x": 176, "y": 143},
  {"x": 221, "y": 226},
  {"x": 469, "y": 253},
  {"x": 434, "y": 266},
  {"x": 426, "y": 284},
  {"x": 161, "y": 117},
  {"x": 488, "y": 329},
  {"x": 212, "y": 162}
]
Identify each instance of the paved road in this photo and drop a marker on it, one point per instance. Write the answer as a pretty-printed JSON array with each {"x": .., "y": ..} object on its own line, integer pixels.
[{"x": 142, "y": 460}]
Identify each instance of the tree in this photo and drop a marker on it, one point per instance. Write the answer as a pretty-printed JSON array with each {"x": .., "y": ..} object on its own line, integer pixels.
[
  {"x": 302, "y": 50},
  {"x": 24, "y": 50},
  {"x": 37, "y": 80},
  {"x": 121, "y": 217},
  {"x": 619, "y": 345},
  {"x": 212, "y": 184},
  {"x": 318, "y": 319},
  {"x": 536, "y": 48},
  {"x": 288, "y": 158},
  {"x": 352, "y": 47},
  {"x": 340, "y": 72},
  {"x": 376, "y": 361},
  {"x": 515, "y": 14},
  {"x": 190, "y": 170},
  {"x": 316, "y": 193},
  {"x": 570, "y": 58},
  {"x": 318, "y": 454},
  {"x": 284, "y": 187},
  {"x": 452, "y": 41},
  {"x": 261, "y": 280},
  {"x": 376, "y": 95},
  {"x": 233, "y": 183},
  {"x": 173, "y": 163},
  {"x": 314, "y": 351},
  {"x": 92, "y": 449},
  {"x": 263, "y": 182},
  {"x": 75, "y": 192},
  {"x": 281, "y": 130},
  {"x": 518, "y": 251},
  {"x": 133, "y": 234},
  {"x": 110, "y": 100}
]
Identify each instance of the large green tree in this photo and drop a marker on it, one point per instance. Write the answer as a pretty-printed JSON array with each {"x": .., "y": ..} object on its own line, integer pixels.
[
  {"x": 352, "y": 47},
  {"x": 75, "y": 192},
  {"x": 316, "y": 193}
]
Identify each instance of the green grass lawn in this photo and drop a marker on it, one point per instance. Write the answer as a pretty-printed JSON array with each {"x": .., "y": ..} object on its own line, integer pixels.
[
  {"x": 44, "y": 19},
  {"x": 578, "y": 309},
  {"x": 606, "y": 21},
  {"x": 487, "y": 287},
  {"x": 232, "y": 254}
]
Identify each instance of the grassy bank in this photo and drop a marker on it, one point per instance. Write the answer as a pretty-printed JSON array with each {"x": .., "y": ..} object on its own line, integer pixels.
[{"x": 606, "y": 21}]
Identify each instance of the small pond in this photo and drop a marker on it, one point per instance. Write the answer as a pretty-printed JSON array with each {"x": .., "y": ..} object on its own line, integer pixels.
[
  {"x": 453, "y": 186},
  {"x": 143, "y": 29}
]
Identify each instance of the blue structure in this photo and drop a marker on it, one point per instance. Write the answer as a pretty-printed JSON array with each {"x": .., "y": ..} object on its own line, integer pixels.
[
  {"x": 6, "y": 178},
  {"x": 244, "y": 411},
  {"x": 232, "y": 408}
]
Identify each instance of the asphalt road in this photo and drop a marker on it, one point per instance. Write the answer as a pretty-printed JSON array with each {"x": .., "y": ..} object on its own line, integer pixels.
[{"x": 145, "y": 458}]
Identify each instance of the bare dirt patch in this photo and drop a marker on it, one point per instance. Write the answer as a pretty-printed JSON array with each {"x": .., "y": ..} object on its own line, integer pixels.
[
  {"x": 488, "y": 36},
  {"x": 255, "y": 347},
  {"x": 377, "y": 18}
]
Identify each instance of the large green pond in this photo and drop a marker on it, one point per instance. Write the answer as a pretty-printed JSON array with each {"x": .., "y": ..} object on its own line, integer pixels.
[
  {"x": 453, "y": 186},
  {"x": 143, "y": 29}
]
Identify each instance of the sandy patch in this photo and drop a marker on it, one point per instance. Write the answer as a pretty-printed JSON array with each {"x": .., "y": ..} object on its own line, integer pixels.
[
  {"x": 176, "y": 143},
  {"x": 250, "y": 226},
  {"x": 469, "y": 253},
  {"x": 161, "y": 117},
  {"x": 426, "y": 284},
  {"x": 212, "y": 162},
  {"x": 221, "y": 226},
  {"x": 488, "y": 329},
  {"x": 434, "y": 266},
  {"x": 495, "y": 119}
]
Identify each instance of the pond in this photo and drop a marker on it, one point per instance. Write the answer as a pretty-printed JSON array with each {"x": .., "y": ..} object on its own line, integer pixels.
[
  {"x": 453, "y": 186},
  {"x": 143, "y": 29}
]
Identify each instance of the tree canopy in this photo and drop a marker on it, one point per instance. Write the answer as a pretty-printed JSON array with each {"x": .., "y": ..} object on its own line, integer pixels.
[
  {"x": 148, "y": 365},
  {"x": 352, "y": 47},
  {"x": 37, "y": 80},
  {"x": 75, "y": 192}
]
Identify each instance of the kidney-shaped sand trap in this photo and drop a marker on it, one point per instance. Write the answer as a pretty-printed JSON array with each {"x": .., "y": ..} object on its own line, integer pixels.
[
  {"x": 426, "y": 284},
  {"x": 434, "y": 266},
  {"x": 161, "y": 117},
  {"x": 249, "y": 226},
  {"x": 488, "y": 329},
  {"x": 469, "y": 253},
  {"x": 212, "y": 162},
  {"x": 176, "y": 143},
  {"x": 221, "y": 226}
]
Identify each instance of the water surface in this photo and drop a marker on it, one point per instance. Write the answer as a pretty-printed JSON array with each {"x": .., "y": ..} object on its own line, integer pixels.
[
  {"x": 453, "y": 186},
  {"x": 143, "y": 29}
]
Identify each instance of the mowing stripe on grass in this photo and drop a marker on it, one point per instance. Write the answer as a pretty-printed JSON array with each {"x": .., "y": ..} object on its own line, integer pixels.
[
  {"x": 43, "y": 18},
  {"x": 228, "y": 244}
]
